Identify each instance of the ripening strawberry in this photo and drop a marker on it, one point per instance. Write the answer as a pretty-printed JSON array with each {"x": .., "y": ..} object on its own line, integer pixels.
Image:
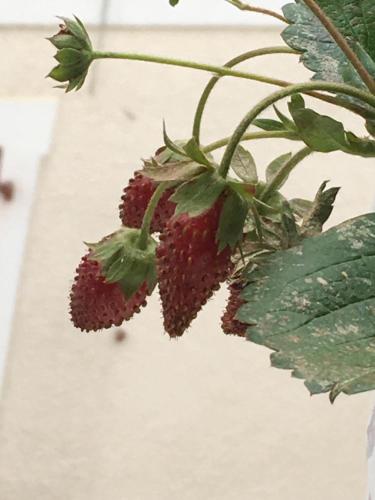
[
  {"x": 229, "y": 323},
  {"x": 135, "y": 201},
  {"x": 96, "y": 304},
  {"x": 190, "y": 268}
]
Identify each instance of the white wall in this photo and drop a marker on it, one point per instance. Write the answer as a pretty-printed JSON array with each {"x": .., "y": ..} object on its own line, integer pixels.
[{"x": 141, "y": 12}]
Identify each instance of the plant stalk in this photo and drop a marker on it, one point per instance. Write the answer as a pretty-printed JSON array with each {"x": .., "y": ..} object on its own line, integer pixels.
[
  {"x": 222, "y": 71},
  {"x": 260, "y": 10},
  {"x": 215, "y": 79},
  {"x": 277, "y": 134},
  {"x": 147, "y": 219}
]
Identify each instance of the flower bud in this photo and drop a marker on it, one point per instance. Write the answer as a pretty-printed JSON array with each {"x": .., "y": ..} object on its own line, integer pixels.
[{"x": 74, "y": 54}]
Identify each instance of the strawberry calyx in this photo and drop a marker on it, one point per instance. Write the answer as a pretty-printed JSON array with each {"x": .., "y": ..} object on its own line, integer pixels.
[{"x": 124, "y": 260}]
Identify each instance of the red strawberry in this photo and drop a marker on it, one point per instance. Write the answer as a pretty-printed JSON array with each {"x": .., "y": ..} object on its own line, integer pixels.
[
  {"x": 96, "y": 304},
  {"x": 135, "y": 200},
  {"x": 189, "y": 267},
  {"x": 229, "y": 323}
]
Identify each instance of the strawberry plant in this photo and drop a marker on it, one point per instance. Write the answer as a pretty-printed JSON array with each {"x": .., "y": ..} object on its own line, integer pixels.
[{"x": 189, "y": 223}]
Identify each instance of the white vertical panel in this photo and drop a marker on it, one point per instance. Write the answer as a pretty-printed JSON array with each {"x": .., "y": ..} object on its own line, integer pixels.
[{"x": 25, "y": 135}]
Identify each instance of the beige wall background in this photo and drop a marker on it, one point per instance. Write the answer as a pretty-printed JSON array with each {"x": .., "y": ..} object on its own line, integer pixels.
[{"x": 86, "y": 418}]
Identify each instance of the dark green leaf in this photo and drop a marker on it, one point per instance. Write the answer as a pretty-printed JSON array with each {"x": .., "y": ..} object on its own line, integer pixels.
[
  {"x": 243, "y": 165},
  {"x": 320, "y": 53},
  {"x": 275, "y": 166},
  {"x": 232, "y": 221},
  {"x": 174, "y": 2},
  {"x": 198, "y": 195},
  {"x": 315, "y": 306},
  {"x": 319, "y": 132}
]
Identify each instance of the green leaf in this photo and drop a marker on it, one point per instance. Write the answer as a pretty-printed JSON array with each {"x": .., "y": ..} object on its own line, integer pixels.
[
  {"x": 232, "y": 221},
  {"x": 323, "y": 133},
  {"x": 173, "y": 2},
  {"x": 319, "y": 132},
  {"x": 355, "y": 20},
  {"x": 275, "y": 166},
  {"x": 314, "y": 305},
  {"x": 198, "y": 195},
  {"x": 320, "y": 210},
  {"x": 243, "y": 165},
  {"x": 194, "y": 152}
]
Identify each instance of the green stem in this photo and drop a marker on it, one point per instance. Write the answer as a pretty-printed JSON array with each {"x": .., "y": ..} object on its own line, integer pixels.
[
  {"x": 260, "y": 10},
  {"x": 277, "y": 134},
  {"x": 284, "y": 172},
  {"x": 281, "y": 94},
  {"x": 230, "y": 64},
  {"x": 341, "y": 41},
  {"x": 222, "y": 71},
  {"x": 147, "y": 219}
]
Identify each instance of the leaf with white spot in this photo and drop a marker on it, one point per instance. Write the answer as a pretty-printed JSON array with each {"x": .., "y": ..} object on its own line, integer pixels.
[{"x": 314, "y": 305}]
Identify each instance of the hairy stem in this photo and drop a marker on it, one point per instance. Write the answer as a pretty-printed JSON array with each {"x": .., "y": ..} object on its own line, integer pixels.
[
  {"x": 222, "y": 71},
  {"x": 277, "y": 134},
  {"x": 284, "y": 172},
  {"x": 147, "y": 219},
  {"x": 215, "y": 79},
  {"x": 281, "y": 94},
  {"x": 260, "y": 10},
  {"x": 341, "y": 41}
]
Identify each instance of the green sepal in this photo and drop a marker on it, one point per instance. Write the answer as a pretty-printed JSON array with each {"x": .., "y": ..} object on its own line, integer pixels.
[
  {"x": 199, "y": 194},
  {"x": 319, "y": 211},
  {"x": 124, "y": 262},
  {"x": 275, "y": 166},
  {"x": 69, "y": 56},
  {"x": 176, "y": 171},
  {"x": 65, "y": 42},
  {"x": 74, "y": 54},
  {"x": 171, "y": 145},
  {"x": 243, "y": 165},
  {"x": 77, "y": 29},
  {"x": 194, "y": 152},
  {"x": 268, "y": 124},
  {"x": 62, "y": 73},
  {"x": 232, "y": 220},
  {"x": 287, "y": 122}
]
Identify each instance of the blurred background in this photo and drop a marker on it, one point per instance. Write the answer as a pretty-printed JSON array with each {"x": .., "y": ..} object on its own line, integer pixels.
[{"x": 133, "y": 415}]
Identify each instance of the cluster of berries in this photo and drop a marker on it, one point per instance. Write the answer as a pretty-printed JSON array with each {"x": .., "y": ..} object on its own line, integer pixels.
[{"x": 189, "y": 266}]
